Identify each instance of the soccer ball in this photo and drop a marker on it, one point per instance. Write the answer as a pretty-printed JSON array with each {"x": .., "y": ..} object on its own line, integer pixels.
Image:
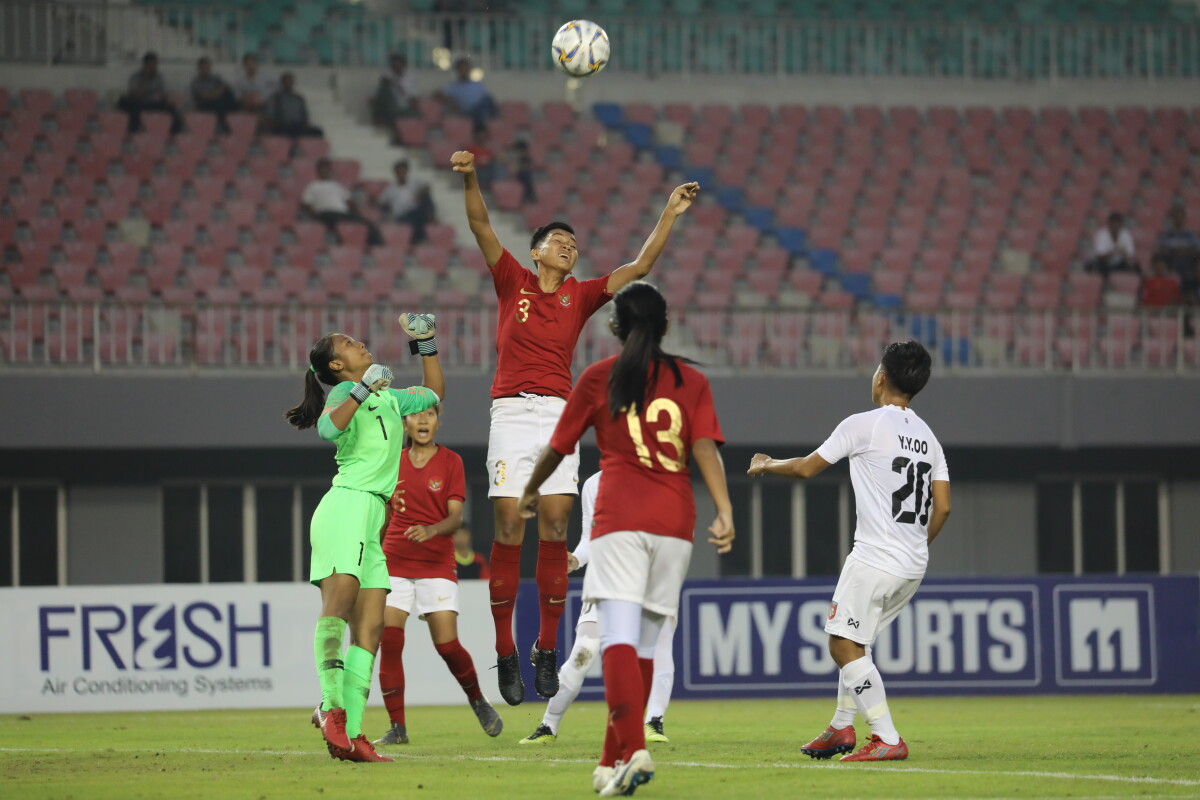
[{"x": 580, "y": 48}]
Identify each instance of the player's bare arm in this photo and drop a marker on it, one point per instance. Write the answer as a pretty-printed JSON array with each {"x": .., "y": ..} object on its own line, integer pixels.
[
  {"x": 680, "y": 201},
  {"x": 941, "y": 508},
  {"x": 712, "y": 470},
  {"x": 445, "y": 527},
  {"x": 463, "y": 163},
  {"x": 546, "y": 464},
  {"x": 804, "y": 467}
]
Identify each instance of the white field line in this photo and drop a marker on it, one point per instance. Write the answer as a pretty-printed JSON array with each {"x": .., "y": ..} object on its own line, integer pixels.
[{"x": 891, "y": 768}]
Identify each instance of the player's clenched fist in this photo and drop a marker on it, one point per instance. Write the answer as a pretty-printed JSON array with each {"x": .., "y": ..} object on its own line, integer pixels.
[
  {"x": 463, "y": 161},
  {"x": 758, "y": 464},
  {"x": 683, "y": 197}
]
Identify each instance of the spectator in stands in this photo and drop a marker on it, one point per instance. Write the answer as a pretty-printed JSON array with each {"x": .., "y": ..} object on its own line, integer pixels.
[
  {"x": 471, "y": 565},
  {"x": 1161, "y": 287},
  {"x": 407, "y": 202},
  {"x": 485, "y": 159},
  {"x": 1112, "y": 248},
  {"x": 331, "y": 203},
  {"x": 211, "y": 93},
  {"x": 254, "y": 86},
  {"x": 467, "y": 96},
  {"x": 396, "y": 95},
  {"x": 287, "y": 111},
  {"x": 147, "y": 92},
  {"x": 1181, "y": 250},
  {"x": 522, "y": 170}
]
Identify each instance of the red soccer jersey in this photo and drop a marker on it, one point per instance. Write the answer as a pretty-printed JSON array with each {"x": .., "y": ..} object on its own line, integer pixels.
[
  {"x": 644, "y": 458},
  {"x": 536, "y": 331},
  {"x": 422, "y": 497}
]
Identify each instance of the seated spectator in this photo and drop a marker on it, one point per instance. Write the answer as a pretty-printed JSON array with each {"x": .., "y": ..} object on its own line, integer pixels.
[
  {"x": 522, "y": 170},
  {"x": 1161, "y": 287},
  {"x": 485, "y": 159},
  {"x": 211, "y": 93},
  {"x": 287, "y": 111},
  {"x": 1112, "y": 248},
  {"x": 331, "y": 203},
  {"x": 254, "y": 86},
  {"x": 468, "y": 96},
  {"x": 471, "y": 565},
  {"x": 396, "y": 95},
  {"x": 147, "y": 92},
  {"x": 1180, "y": 248},
  {"x": 407, "y": 202}
]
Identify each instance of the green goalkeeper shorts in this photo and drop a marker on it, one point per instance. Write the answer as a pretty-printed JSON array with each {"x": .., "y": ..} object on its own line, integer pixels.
[{"x": 344, "y": 536}]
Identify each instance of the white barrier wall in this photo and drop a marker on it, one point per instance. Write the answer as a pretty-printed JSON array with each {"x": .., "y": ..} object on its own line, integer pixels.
[{"x": 170, "y": 647}]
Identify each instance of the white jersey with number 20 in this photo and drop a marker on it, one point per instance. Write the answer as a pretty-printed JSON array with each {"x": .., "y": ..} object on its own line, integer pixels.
[{"x": 894, "y": 459}]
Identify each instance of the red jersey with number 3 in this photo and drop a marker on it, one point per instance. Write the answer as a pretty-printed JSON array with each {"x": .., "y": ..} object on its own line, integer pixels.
[
  {"x": 644, "y": 457},
  {"x": 536, "y": 331},
  {"x": 422, "y": 497}
]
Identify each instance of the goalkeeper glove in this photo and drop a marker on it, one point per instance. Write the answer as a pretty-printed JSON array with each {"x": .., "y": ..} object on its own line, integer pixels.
[
  {"x": 422, "y": 329},
  {"x": 376, "y": 379}
]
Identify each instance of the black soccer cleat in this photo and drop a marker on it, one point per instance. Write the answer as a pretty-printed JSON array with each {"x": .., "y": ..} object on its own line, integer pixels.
[
  {"x": 545, "y": 676},
  {"x": 512, "y": 688}
]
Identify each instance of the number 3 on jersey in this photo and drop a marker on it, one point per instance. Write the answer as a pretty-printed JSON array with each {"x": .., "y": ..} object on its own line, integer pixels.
[
  {"x": 523, "y": 309},
  {"x": 669, "y": 436},
  {"x": 916, "y": 482}
]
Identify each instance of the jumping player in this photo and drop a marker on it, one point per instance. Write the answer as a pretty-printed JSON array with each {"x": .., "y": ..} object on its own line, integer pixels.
[
  {"x": 587, "y": 647},
  {"x": 364, "y": 418},
  {"x": 426, "y": 512},
  {"x": 540, "y": 317},
  {"x": 652, "y": 413},
  {"x": 898, "y": 470}
]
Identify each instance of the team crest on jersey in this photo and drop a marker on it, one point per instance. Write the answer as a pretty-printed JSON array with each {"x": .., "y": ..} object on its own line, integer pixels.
[
  {"x": 832, "y": 610},
  {"x": 435, "y": 485},
  {"x": 564, "y": 300}
]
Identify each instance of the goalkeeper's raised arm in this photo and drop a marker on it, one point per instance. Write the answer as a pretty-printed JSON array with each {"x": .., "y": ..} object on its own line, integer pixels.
[{"x": 463, "y": 162}]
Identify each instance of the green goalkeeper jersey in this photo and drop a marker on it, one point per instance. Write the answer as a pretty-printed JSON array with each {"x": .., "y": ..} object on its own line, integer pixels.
[{"x": 368, "y": 451}]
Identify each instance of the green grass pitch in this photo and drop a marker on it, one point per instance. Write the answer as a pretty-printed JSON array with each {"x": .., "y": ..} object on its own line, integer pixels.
[{"x": 1018, "y": 747}]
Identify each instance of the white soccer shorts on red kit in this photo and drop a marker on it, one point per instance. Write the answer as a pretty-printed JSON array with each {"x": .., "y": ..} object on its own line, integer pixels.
[
  {"x": 422, "y": 596},
  {"x": 639, "y": 567},
  {"x": 521, "y": 429}
]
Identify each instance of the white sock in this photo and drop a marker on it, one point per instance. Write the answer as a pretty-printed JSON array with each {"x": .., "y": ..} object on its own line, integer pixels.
[
  {"x": 864, "y": 684},
  {"x": 846, "y": 709},
  {"x": 664, "y": 672},
  {"x": 570, "y": 679}
]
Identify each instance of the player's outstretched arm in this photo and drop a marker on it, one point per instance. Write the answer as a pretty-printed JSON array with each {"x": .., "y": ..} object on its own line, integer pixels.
[
  {"x": 941, "y": 508},
  {"x": 463, "y": 163},
  {"x": 423, "y": 330},
  {"x": 680, "y": 201},
  {"x": 805, "y": 467},
  {"x": 542, "y": 470},
  {"x": 712, "y": 470}
]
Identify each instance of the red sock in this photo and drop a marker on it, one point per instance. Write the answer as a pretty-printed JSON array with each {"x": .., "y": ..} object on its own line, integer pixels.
[
  {"x": 391, "y": 673},
  {"x": 506, "y": 579},
  {"x": 552, "y": 590},
  {"x": 610, "y": 753},
  {"x": 461, "y": 667},
  {"x": 647, "y": 669},
  {"x": 623, "y": 690}
]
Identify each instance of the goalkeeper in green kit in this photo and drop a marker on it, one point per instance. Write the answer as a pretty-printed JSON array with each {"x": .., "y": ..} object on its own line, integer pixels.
[{"x": 365, "y": 419}]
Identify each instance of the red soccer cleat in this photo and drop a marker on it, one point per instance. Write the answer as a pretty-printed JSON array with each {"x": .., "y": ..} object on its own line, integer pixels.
[
  {"x": 361, "y": 751},
  {"x": 831, "y": 742},
  {"x": 876, "y": 750},
  {"x": 332, "y": 724}
]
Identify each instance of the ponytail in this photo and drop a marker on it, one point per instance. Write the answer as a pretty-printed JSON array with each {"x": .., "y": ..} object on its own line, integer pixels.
[
  {"x": 640, "y": 321},
  {"x": 306, "y": 414}
]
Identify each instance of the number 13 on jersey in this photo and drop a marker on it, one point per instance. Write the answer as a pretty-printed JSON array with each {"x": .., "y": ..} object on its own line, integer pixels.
[{"x": 668, "y": 436}]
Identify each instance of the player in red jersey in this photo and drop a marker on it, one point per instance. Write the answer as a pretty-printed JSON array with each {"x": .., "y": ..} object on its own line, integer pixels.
[
  {"x": 426, "y": 511},
  {"x": 651, "y": 412},
  {"x": 540, "y": 317}
]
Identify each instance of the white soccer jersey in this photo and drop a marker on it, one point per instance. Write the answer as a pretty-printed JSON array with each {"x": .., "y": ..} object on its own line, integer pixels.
[
  {"x": 587, "y": 498},
  {"x": 894, "y": 458}
]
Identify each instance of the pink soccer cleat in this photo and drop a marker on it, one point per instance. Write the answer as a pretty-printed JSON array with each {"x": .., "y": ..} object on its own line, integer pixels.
[{"x": 831, "y": 742}]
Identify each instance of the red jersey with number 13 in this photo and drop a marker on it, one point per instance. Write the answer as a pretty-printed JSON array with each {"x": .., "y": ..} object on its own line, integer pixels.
[
  {"x": 422, "y": 497},
  {"x": 647, "y": 485},
  {"x": 536, "y": 331}
]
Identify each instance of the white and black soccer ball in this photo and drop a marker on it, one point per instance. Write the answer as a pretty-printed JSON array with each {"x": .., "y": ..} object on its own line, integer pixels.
[{"x": 580, "y": 48}]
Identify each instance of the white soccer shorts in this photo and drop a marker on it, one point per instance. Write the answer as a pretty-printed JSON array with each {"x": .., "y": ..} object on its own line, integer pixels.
[
  {"x": 640, "y": 567},
  {"x": 521, "y": 429},
  {"x": 423, "y": 596},
  {"x": 866, "y": 600}
]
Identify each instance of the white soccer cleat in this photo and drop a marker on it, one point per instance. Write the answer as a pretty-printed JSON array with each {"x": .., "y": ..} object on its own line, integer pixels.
[
  {"x": 600, "y": 777},
  {"x": 628, "y": 775}
]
